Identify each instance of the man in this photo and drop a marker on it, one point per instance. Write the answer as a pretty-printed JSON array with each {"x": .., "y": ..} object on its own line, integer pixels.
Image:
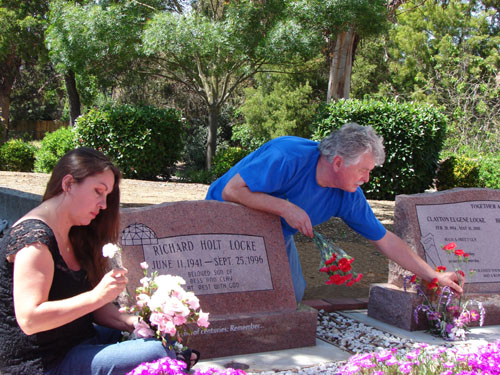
[{"x": 306, "y": 183}]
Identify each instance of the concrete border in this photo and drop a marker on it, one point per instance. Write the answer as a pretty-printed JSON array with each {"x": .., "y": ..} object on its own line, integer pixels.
[{"x": 15, "y": 203}]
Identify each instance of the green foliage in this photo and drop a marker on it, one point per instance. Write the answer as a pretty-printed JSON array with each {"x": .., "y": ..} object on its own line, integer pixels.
[
  {"x": 275, "y": 111},
  {"x": 367, "y": 17},
  {"x": 413, "y": 136},
  {"x": 145, "y": 142},
  {"x": 81, "y": 37},
  {"x": 462, "y": 171},
  {"x": 489, "y": 174},
  {"x": 53, "y": 146},
  {"x": 458, "y": 171},
  {"x": 215, "y": 49},
  {"x": 17, "y": 156},
  {"x": 224, "y": 159},
  {"x": 441, "y": 52},
  {"x": 198, "y": 176}
]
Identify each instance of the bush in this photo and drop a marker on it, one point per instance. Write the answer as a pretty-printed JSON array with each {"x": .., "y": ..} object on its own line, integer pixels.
[
  {"x": 276, "y": 111},
  {"x": 489, "y": 173},
  {"x": 224, "y": 159},
  {"x": 53, "y": 146},
  {"x": 461, "y": 171},
  {"x": 145, "y": 142},
  {"x": 17, "y": 156},
  {"x": 198, "y": 176},
  {"x": 413, "y": 137},
  {"x": 457, "y": 171}
]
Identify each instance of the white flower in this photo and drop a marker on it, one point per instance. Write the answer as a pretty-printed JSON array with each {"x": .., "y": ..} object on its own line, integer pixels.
[{"x": 110, "y": 250}]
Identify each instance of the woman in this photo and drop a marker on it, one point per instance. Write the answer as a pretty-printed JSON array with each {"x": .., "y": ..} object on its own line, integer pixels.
[{"x": 54, "y": 283}]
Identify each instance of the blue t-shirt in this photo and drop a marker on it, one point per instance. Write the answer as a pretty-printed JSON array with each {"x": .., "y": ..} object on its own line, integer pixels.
[{"x": 285, "y": 167}]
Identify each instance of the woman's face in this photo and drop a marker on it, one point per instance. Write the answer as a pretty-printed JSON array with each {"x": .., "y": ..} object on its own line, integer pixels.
[{"x": 89, "y": 197}]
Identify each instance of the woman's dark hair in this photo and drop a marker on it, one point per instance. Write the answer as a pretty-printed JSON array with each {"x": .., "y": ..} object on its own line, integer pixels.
[{"x": 88, "y": 240}]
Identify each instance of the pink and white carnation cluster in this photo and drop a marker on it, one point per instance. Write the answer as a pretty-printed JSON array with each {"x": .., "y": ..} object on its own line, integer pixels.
[{"x": 166, "y": 311}]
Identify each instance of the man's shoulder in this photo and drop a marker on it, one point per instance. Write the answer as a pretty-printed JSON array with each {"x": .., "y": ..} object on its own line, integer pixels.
[
  {"x": 286, "y": 139},
  {"x": 291, "y": 144}
]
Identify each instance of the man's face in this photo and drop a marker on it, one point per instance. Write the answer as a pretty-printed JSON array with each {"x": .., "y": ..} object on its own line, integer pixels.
[{"x": 349, "y": 177}]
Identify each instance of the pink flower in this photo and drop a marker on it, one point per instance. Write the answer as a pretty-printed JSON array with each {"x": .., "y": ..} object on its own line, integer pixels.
[
  {"x": 192, "y": 301},
  {"x": 163, "y": 322},
  {"x": 203, "y": 320},
  {"x": 142, "y": 329},
  {"x": 144, "y": 265}
]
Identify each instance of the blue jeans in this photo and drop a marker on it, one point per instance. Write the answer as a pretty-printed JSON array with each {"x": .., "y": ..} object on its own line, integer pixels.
[
  {"x": 298, "y": 281},
  {"x": 104, "y": 354}
]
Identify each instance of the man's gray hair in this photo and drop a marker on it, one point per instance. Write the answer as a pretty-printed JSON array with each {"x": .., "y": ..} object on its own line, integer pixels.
[{"x": 350, "y": 142}]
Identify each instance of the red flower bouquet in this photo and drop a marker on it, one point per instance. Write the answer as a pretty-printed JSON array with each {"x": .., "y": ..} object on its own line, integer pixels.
[{"x": 335, "y": 263}]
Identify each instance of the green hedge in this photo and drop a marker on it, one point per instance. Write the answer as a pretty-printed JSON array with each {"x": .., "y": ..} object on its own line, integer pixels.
[
  {"x": 53, "y": 146},
  {"x": 145, "y": 142},
  {"x": 413, "y": 137},
  {"x": 460, "y": 171},
  {"x": 17, "y": 156}
]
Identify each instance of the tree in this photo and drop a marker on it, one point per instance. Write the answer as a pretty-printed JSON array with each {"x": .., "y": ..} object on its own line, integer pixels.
[
  {"x": 342, "y": 23},
  {"x": 21, "y": 40},
  {"x": 446, "y": 53},
  {"x": 94, "y": 40},
  {"x": 217, "y": 46}
]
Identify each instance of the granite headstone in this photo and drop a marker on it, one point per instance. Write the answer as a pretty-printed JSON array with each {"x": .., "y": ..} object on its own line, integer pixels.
[
  {"x": 468, "y": 217},
  {"x": 233, "y": 258}
]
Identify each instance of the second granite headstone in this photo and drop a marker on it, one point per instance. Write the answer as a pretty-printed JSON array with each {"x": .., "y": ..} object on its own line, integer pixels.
[
  {"x": 233, "y": 258},
  {"x": 468, "y": 217}
]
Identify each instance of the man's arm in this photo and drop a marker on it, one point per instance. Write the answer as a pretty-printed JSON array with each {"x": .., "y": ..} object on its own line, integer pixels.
[
  {"x": 397, "y": 250},
  {"x": 236, "y": 190}
]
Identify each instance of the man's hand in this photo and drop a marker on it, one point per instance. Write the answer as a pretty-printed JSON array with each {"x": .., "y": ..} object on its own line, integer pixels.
[
  {"x": 297, "y": 218},
  {"x": 450, "y": 279}
]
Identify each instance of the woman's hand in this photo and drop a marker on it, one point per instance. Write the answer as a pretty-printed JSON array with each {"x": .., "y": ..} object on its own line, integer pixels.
[{"x": 111, "y": 285}]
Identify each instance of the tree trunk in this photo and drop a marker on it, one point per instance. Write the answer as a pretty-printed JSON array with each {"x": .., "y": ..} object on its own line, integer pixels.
[
  {"x": 74, "y": 98},
  {"x": 213, "y": 123},
  {"x": 9, "y": 69},
  {"x": 4, "y": 115},
  {"x": 341, "y": 52}
]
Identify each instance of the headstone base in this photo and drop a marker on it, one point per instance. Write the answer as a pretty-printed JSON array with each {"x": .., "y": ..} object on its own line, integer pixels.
[
  {"x": 392, "y": 305},
  {"x": 258, "y": 332}
]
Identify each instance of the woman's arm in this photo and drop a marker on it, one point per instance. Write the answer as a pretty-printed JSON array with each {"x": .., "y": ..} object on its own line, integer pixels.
[
  {"x": 110, "y": 316},
  {"x": 33, "y": 275}
]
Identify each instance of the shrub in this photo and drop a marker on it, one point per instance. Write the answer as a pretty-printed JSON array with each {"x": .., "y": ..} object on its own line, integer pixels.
[
  {"x": 198, "y": 176},
  {"x": 413, "y": 137},
  {"x": 276, "y": 111},
  {"x": 53, "y": 146},
  {"x": 17, "y": 156},
  {"x": 489, "y": 173},
  {"x": 461, "y": 171},
  {"x": 457, "y": 171},
  {"x": 224, "y": 159},
  {"x": 145, "y": 142}
]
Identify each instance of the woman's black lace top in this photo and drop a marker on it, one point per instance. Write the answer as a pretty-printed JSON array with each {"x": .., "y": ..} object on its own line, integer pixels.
[{"x": 20, "y": 353}]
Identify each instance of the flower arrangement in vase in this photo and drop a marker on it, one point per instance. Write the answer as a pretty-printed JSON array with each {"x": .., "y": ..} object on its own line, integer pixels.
[{"x": 449, "y": 315}]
